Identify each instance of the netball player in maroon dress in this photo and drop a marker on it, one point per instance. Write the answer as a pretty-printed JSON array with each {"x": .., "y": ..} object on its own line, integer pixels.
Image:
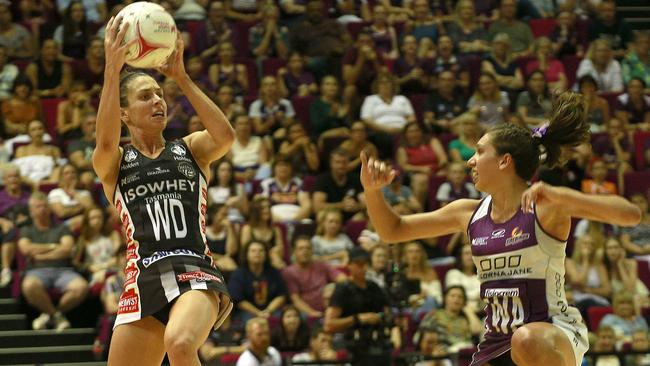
[
  {"x": 518, "y": 235},
  {"x": 173, "y": 293}
]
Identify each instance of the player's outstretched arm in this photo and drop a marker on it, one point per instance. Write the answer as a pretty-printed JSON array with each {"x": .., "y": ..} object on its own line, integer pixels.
[
  {"x": 608, "y": 208},
  {"x": 213, "y": 143},
  {"x": 106, "y": 157},
  {"x": 393, "y": 228}
]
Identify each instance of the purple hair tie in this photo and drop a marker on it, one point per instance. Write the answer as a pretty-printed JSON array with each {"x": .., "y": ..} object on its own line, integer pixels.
[{"x": 539, "y": 132}]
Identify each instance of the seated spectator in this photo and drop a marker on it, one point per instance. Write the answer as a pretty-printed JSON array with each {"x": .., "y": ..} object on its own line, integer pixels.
[
  {"x": 260, "y": 229},
  {"x": 636, "y": 63},
  {"x": 320, "y": 348},
  {"x": 464, "y": 275},
  {"x": 268, "y": 38},
  {"x": 597, "y": 107},
  {"x": 71, "y": 112},
  {"x": 431, "y": 343},
  {"x": 378, "y": 268},
  {"x": 329, "y": 114},
  {"x": 446, "y": 60},
  {"x": 625, "y": 319},
  {"x": 74, "y": 32},
  {"x": 466, "y": 31},
  {"x": 456, "y": 186},
  {"x": 351, "y": 11},
  {"x": 20, "y": 108},
  {"x": 271, "y": 113},
  {"x": 179, "y": 110},
  {"x": 397, "y": 194},
  {"x": 50, "y": 76},
  {"x": 114, "y": 285},
  {"x": 488, "y": 103},
  {"x": 68, "y": 203},
  {"x": 534, "y": 105},
  {"x": 358, "y": 142},
  {"x": 225, "y": 99},
  {"x": 294, "y": 80},
  {"x": 95, "y": 10},
  {"x": 587, "y": 275},
  {"x": 91, "y": 69},
  {"x": 96, "y": 246},
  {"x": 420, "y": 157},
  {"x": 330, "y": 242},
  {"x": 307, "y": 277},
  {"x": 614, "y": 147},
  {"x": 362, "y": 64},
  {"x": 80, "y": 151},
  {"x": 48, "y": 249},
  {"x": 8, "y": 73},
  {"x": 339, "y": 188},
  {"x": 293, "y": 333},
  {"x": 37, "y": 161},
  {"x": 545, "y": 61},
  {"x": 640, "y": 343},
  {"x": 597, "y": 184},
  {"x": 609, "y": 26},
  {"x": 636, "y": 239},
  {"x": 386, "y": 113},
  {"x": 259, "y": 351},
  {"x": 237, "y": 10},
  {"x": 565, "y": 36},
  {"x": 13, "y": 214},
  {"x": 469, "y": 132},
  {"x": 217, "y": 31},
  {"x": 409, "y": 68},
  {"x": 444, "y": 104},
  {"x": 519, "y": 32},
  {"x": 221, "y": 238},
  {"x": 606, "y": 343},
  {"x": 623, "y": 272},
  {"x": 224, "y": 189},
  {"x": 289, "y": 202},
  {"x": 456, "y": 321},
  {"x": 320, "y": 39},
  {"x": 420, "y": 282},
  {"x": 361, "y": 310},
  {"x": 249, "y": 154},
  {"x": 228, "y": 72},
  {"x": 195, "y": 67},
  {"x": 384, "y": 36},
  {"x": 600, "y": 64},
  {"x": 15, "y": 37},
  {"x": 501, "y": 63},
  {"x": 256, "y": 287},
  {"x": 633, "y": 107},
  {"x": 299, "y": 148},
  {"x": 422, "y": 24}
]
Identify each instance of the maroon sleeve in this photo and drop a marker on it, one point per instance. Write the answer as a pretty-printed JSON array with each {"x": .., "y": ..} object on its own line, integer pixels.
[{"x": 289, "y": 280}]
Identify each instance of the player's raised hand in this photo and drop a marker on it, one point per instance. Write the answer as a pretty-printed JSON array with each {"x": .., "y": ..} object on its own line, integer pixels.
[
  {"x": 114, "y": 49},
  {"x": 174, "y": 67},
  {"x": 375, "y": 174}
]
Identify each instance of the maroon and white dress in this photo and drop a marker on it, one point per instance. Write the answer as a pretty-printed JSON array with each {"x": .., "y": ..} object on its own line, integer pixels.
[{"x": 521, "y": 269}]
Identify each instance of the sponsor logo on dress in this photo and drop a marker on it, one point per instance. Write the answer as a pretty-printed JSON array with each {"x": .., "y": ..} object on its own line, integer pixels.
[
  {"x": 517, "y": 236},
  {"x": 130, "y": 178},
  {"x": 499, "y": 233},
  {"x": 187, "y": 170},
  {"x": 156, "y": 171},
  {"x": 129, "y": 302},
  {"x": 130, "y": 274},
  {"x": 197, "y": 276},
  {"x": 178, "y": 150},
  {"x": 182, "y": 158},
  {"x": 130, "y": 155},
  {"x": 481, "y": 240},
  {"x": 156, "y": 256},
  {"x": 133, "y": 164},
  {"x": 502, "y": 292}
]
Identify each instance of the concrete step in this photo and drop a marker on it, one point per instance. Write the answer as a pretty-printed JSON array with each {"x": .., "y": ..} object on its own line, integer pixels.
[
  {"x": 44, "y": 338},
  {"x": 40, "y": 355},
  {"x": 13, "y": 321},
  {"x": 8, "y": 306}
]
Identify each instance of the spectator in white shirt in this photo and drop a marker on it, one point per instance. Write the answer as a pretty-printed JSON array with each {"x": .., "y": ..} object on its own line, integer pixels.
[
  {"x": 259, "y": 352},
  {"x": 602, "y": 66}
]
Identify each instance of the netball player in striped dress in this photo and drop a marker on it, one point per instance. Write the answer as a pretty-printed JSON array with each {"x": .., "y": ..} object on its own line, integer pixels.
[
  {"x": 518, "y": 234},
  {"x": 173, "y": 294}
]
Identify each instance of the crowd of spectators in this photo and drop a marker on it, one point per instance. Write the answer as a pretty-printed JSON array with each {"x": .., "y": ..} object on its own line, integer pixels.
[{"x": 307, "y": 86}]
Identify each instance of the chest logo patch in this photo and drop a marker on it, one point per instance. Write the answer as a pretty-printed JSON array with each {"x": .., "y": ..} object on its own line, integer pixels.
[
  {"x": 179, "y": 150},
  {"x": 130, "y": 156},
  {"x": 187, "y": 170}
]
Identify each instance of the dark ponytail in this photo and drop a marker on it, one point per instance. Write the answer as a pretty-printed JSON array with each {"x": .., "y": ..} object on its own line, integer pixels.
[
  {"x": 126, "y": 77},
  {"x": 567, "y": 127}
]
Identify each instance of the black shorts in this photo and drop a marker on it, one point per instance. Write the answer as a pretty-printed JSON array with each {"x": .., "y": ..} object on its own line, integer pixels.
[{"x": 153, "y": 284}]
